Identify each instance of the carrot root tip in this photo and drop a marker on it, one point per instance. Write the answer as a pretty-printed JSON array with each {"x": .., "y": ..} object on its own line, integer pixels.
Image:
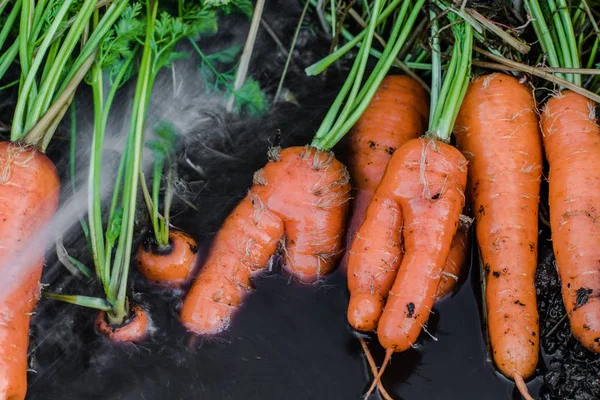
[{"x": 522, "y": 387}]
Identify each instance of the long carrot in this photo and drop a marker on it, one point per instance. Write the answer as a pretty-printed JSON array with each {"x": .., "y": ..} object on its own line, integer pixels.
[
  {"x": 497, "y": 129},
  {"x": 397, "y": 113},
  {"x": 29, "y": 191},
  {"x": 299, "y": 199},
  {"x": 29, "y": 183},
  {"x": 572, "y": 144},
  {"x": 302, "y": 192},
  {"x": 417, "y": 205}
]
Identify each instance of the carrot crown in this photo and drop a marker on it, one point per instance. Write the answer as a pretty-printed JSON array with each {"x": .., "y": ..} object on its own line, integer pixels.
[
  {"x": 447, "y": 95},
  {"x": 355, "y": 96}
]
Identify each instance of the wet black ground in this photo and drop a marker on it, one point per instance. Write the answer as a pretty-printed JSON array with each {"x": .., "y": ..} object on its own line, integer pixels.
[{"x": 288, "y": 341}]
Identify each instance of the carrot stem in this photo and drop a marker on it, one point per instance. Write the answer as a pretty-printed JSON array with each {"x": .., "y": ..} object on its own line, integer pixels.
[
  {"x": 323, "y": 64},
  {"x": 330, "y": 134},
  {"x": 454, "y": 84}
]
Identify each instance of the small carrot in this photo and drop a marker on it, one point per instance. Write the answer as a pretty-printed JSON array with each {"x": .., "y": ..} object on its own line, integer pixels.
[
  {"x": 29, "y": 191},
  {"x": 397, "y": 113},
  {"x": 299, "y": 200},
  {"x": 572, "y": 145},
  {"x": 172, "y": 266},
  {"x": 497, "y": 129},
  {"x": 135, "y": 329}
]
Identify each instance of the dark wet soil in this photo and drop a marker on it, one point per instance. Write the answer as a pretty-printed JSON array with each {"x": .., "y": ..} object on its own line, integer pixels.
[{"x": 288, "y": 341}]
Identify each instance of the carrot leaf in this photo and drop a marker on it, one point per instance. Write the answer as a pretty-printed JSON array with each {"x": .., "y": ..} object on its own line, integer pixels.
[
  {"x": 454, "y": 83},
  {"x": 84, "y": 301}
]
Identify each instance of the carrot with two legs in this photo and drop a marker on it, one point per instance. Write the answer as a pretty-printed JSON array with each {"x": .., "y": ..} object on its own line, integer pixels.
[{"x": 416, "y": 207}]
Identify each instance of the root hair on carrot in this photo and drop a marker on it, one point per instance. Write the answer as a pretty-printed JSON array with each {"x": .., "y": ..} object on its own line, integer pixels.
[
  {"x": 522, "y": 387},
  {"x": 373, "y": 367},
  {"x": 377, "y": 379}
]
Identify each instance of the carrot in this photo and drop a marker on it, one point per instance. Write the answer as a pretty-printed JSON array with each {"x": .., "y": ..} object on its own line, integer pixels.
[
  {"x": 171, "y": 267},
  {"x": 29, "y": 191},
  {"x": 455, "y": 266},
  {"x": 572, "y": 143},
  {"x": 426, "y": 180},
  {"x": 134, "y": 330},
  {"x": 416, "y": 208},
  {"x": 299, "y": 200},
  {"x": 497, "y": 129},
  {"x": 397, "y": 113},
  {"x": 374, "y": 262}
]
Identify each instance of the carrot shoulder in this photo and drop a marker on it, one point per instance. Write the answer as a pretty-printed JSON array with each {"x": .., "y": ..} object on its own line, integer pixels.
[
  {"x": 29, "y": 191},
  {"x": 497, "y": 129},
  {"x": 397, "y": 114},
  {"x": 572, "y": 145},
  {"x": 299, "y": 202}
]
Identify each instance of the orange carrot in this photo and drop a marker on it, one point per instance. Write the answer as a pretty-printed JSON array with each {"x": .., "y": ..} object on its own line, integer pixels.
[
  {"x": 455, "y": 263},
  {"x": 426, "y": 181},
  {"x": 29, "y": 191},
  {"x": 572, "y": 145},
  {"x": 134, "y": 330},
  {"x": 497, "y": 129},
  {"x": 398, "y": 113},
  {"x": 171, "y": 267},
  {"x": 299, "y": 201},
  {"x": 423, "y": 188}
]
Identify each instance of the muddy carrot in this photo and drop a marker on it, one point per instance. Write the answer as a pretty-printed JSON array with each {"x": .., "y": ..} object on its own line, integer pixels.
[
  {"x": 29, "y": 190},
  {"x": 397, "y": 113},
  {"x": 497, "y": 130}
]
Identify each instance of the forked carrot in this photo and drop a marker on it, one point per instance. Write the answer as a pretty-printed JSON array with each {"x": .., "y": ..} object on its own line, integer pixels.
[
  {"x": 497, "y": 129},
  {"x": 29, "y": 191},
  {"x": 397, "y": 113},
  {"x": 417, "y": 206},
  {"x": 299, "y": 200}
]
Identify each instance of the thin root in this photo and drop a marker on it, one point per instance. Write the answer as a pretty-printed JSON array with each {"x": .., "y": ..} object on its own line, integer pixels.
[
  {"x": 377, "y": 379},
  {"x": 373, "y": 367},
  {"x": 522, "y": 387}
]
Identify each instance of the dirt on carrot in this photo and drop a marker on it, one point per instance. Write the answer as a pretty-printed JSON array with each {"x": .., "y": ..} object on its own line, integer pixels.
[
  {"x": 29, "y": 192},
  {"x": 298, "y": 203}
]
